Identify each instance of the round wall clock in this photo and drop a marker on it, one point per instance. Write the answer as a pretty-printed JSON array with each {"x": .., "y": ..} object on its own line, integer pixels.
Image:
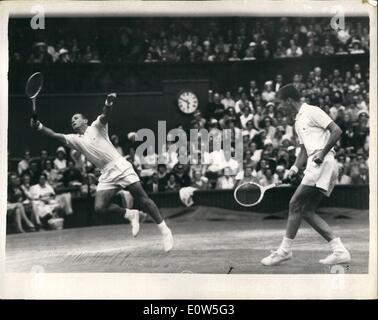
[{"x": 187, "y": 101}]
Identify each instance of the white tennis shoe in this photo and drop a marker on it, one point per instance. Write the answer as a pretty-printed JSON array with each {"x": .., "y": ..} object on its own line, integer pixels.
[
  {"x": 133, "y": 216},
  {"x": 167, "y": 240},
  {"x": 276, "y": 257},
  {"x": 336, "y": 257}
]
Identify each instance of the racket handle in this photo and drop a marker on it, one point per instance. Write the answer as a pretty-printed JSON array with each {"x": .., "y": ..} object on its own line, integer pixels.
[
  {"x": 34, "y": 112},
  {"x": 34, "y": 116}
]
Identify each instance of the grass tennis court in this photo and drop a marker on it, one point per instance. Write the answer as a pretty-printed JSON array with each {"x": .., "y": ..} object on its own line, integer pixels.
[{"x": 207, "y": 240}]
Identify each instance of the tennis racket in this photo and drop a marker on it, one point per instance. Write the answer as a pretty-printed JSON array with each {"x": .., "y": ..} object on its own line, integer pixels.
[
  {"x": 32, "y": 89},
  {"x": 250, "y": 194}
]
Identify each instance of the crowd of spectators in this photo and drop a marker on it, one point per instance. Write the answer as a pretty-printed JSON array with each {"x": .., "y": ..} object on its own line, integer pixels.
[
  {"x": 270, "y": 144},
  {"x": 184, "y": 40},
  {"x": 43, "y": 187}
]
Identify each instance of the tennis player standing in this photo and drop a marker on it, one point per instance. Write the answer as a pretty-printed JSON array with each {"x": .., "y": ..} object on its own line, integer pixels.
[
  {"x": 116, "y": 172},
  {"x": 317, "y": 135}
]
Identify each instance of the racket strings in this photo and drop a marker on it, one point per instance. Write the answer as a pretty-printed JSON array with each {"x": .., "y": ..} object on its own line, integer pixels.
[
  {"x": 248, "y": 194},
  {"x": 34, "y": 85}
]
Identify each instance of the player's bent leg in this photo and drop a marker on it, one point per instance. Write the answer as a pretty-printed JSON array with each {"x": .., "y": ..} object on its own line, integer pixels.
[
  {"x": 301, "y": 196},
  {"x": 314, "y": 220},
  {"x": 103, "y": 201},
  {"x": 340, "y": 254},
  {"x": 284, "y": 253},
  {"x": 103, "y": 204},
  {"x": 148, "y": 205}
]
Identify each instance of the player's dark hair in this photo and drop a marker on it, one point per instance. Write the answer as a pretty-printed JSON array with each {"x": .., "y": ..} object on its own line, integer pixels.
[{"x": 288, "y": 91}]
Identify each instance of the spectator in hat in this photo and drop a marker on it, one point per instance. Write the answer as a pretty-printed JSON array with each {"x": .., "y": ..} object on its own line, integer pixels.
[
  {"x": 64, "y": 56},
  {"x": 356, "y": 47},
  {"x": 250, "y": 53},
  {"x": 268, "y": 94},
  {"x": 270, "y": 111},
  {"x": 60, "y": 162},
  {"x": 214, "y": 127}
]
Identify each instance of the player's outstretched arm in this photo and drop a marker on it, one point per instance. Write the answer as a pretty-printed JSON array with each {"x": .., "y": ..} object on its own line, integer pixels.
[
  {"x": 107, "y": 110},
  {"x": 38, "y": 126}
]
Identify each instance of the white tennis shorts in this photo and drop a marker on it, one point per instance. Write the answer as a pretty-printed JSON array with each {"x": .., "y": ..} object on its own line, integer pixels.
[
  {"x": 117, "y": 174},
  {"x": 323, "y": 176}
]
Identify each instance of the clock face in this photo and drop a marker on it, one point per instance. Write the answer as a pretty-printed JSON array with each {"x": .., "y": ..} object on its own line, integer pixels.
[{"x": 187, "y": 102}]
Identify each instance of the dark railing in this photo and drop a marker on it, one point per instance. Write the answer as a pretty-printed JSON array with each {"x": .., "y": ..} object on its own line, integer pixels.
[{"x": 275, "y": 200}]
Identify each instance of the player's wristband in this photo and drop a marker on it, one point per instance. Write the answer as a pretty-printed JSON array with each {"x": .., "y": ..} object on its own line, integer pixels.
[
  {"x": 40, "y": 126},
  {"x": 295, "y": 169}
]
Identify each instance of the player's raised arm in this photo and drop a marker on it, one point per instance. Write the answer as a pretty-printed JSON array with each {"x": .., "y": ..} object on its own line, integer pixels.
[
  {"x": 37, "y": 125},
  {"x": 107, "y": 110}
]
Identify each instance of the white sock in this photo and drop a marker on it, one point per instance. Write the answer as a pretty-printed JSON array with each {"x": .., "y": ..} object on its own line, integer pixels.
[
  {"x": 128, "y": 213},
  {"x": 286, "y": 244},
  {"x": 163, "y": 227},
  {"x": 337, "y": 245}
]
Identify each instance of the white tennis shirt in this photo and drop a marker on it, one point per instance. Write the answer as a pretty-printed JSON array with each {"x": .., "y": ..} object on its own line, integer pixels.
[
  {"x": 311, "y": 125},
  {"x": 94, "y": 144}
]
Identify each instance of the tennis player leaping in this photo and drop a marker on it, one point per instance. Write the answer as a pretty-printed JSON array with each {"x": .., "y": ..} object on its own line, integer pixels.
[
  {"x": 317, "y": 135},
  {"x": 116, "y": 173}
]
